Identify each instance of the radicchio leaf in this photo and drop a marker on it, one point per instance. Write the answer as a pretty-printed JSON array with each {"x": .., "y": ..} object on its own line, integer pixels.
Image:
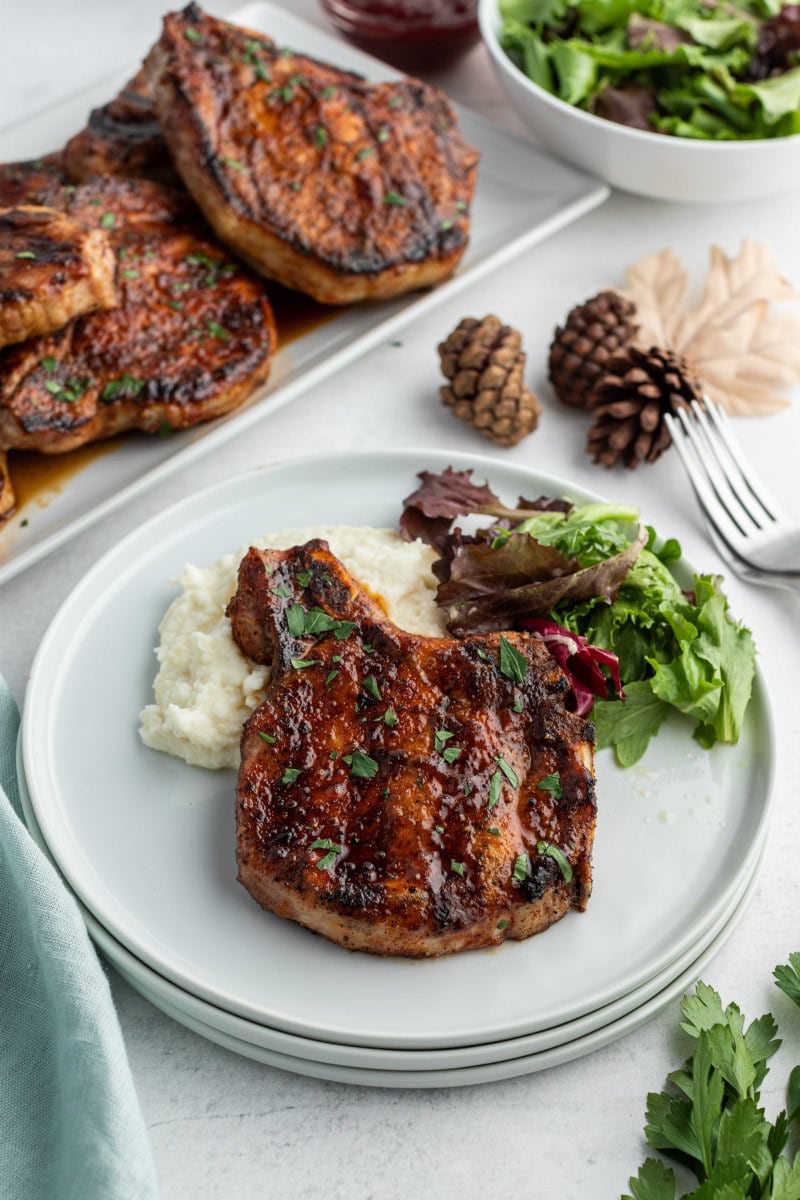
[
  {"x": 491, "y": 589},
  {"x": 581, "y": 660},
  {"x": 429, "y": 511}
]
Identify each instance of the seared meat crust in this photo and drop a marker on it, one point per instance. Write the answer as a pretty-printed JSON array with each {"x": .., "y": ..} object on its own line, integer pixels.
[
  {"x": 389, "y": 792},
  {"x": 193, "y": 334},
  {"x": 52, "y": 268},
  {"x": 122, "y": 138},
  {"x": 339, "y": 188}
]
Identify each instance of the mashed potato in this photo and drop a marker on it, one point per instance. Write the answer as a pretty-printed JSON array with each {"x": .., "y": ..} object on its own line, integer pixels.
[{"x": 206, "y": 687}]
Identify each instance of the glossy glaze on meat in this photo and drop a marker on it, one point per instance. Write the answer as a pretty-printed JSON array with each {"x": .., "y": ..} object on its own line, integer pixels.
[
  {"x": 192, "y": 337},
  {"x": 122, "y": 137},
  {"x": 388, "y": 795},
  {"x": 339, "y": 188},
  {"x": 52, "y": 268}
]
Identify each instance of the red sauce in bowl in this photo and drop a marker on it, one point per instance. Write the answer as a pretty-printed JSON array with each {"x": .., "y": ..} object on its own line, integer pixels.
[{"x": 411, "y": 34}]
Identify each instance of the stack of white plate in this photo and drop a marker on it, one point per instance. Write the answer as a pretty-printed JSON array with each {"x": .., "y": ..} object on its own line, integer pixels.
[{"x": 147, "y": 843}]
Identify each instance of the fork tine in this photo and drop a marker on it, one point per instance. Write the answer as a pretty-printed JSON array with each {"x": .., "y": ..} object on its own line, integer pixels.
[
  {"x": 721, "y": 497},
  {"x": 718, "y": 417},
  {"x": 715, "y": 512}
]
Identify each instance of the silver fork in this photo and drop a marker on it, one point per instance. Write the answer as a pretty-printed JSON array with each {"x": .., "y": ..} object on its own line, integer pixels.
[{"x": 743, "y": 517}]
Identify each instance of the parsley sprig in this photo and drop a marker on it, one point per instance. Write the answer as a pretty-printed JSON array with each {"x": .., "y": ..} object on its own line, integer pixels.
[{"x": 710, "y": 1120}]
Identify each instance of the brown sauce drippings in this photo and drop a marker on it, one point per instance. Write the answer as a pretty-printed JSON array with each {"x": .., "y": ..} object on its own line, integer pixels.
[{"x": 37, "y": 478}]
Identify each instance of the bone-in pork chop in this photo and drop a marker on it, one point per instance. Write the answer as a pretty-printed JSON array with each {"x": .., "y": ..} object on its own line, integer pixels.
[
  {"x": 52, "y": 268},
  {"x": 192, "y": 337},
  {"x": 400, "y": 794},
  {"x": 333, "y": 186}
]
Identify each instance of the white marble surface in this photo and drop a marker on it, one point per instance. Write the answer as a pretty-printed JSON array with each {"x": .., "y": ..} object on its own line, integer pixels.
[{"x": 223, "y": 1126}]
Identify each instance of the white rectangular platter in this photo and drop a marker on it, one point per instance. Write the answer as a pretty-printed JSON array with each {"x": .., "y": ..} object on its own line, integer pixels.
[{"x": 522, "y": 196}]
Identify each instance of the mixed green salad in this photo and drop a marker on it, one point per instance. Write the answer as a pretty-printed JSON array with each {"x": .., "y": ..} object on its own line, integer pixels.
[
  {"x": 599, "y": 589},
  {"x": 709, "y": 69}
]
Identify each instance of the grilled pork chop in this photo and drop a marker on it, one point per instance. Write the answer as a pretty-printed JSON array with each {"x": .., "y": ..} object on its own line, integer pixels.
[
  {"x": 122, "y": 138},
  {"x": 401, "y": 794},
  {"x": 333, "y": 186},
  {"x": 52, "y": 268},
  {"x": 193, "y": 334}
]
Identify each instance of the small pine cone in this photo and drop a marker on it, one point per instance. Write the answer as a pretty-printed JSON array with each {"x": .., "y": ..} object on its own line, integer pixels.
[
  {"x": 629, "y": 403},
  {"x": 484, "y": 362},
  {"x": 580, "y": 351}
]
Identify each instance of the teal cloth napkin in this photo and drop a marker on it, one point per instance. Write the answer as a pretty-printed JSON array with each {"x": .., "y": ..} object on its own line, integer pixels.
[{"x": 70, "y": 1124}]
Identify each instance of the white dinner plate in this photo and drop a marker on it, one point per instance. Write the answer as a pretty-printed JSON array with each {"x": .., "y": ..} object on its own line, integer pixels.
[
  {"x": 522, "y": 196},
  {"x": 175, "y": 1000},
  {"x": 147, "y": 843},
  {"x": 490, "y": 1071}
]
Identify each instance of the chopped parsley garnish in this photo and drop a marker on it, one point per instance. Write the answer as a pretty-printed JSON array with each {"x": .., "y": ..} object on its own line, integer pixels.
[
  {"x": 502, "y": 924},
  {"x": 107, "y": 220},
  {"x": 551, "y": 784},
  {"x": 305, "y": 622},
  {"x": 494, "y": 830},
  {"x": 512, "y": 664},
  {"x": 456, "y": 867},
  {"x": 462, "y": 206},
  {"x": 333, "y": 754},
  {"x": 300, "y": 664},
  {"x": 364, "y": 153},
  {"x": 268, "y": 738},
  {"x": 390, "y": 718},
  {"x": 393, "y": 199},
  {"x": 520, "y": 871},
  {"x": 281, "y": 590},
  {"x": 440, "y": 737},
  {"x": 439, "y": 828},
  {"x": 25, "y": 254},
  {"x": 303, "y": 578},
  {"x": 508, "y": 771},
  {"x": 290, "y": 774},
  {"x": 495, "y": 786},
  {"x": 518, "y": 706},
  {"x": 217, "y": 331},
  {"x": 551, "y": 851},
  {"x": 383, "y": 135},
  {"x": 320, "y": 137},
  {"x": 484, "y": 657},
  {"x": 127, "y": 384},
  {"x": 445, "y": 225},
  {"x": 370, "y": 686},
  {"x": 49, "y": 364},
  {"x": 333, "y": 850},
  {"x": 70, "y": 391},
  {"x": 361, "y": 765},
  {"x": 451, "y": 753},
  {"x": 329, "y": 678},
  {"x": 234, "y": 164},
  {"x": 193, "y": 35},
  {"x": 131, "y": 273},
  {"x": 176, "y": 304}
]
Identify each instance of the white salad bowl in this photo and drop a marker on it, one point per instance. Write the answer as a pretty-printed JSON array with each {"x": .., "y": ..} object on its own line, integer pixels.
[{"x": 650, "y": 164}]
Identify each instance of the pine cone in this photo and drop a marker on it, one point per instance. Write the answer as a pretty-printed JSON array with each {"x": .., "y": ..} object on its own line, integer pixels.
[
  {"x": 629, "y": 403},
  {"x": 580, "y": 351},
  {"x": 484, "y": 361}
]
